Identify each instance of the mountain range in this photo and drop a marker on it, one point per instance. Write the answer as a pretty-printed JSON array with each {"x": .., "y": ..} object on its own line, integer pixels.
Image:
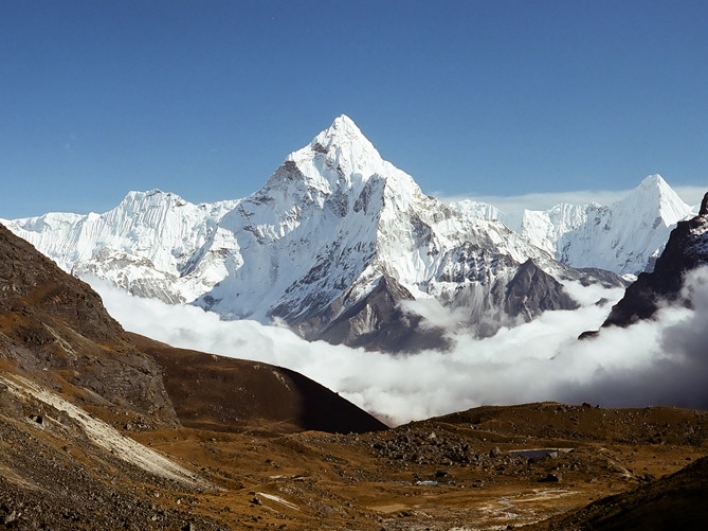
[
  {"x": 338, "y": 240},
  {"x": 102, "y": 429},
  {"x": 625, "y": 237}
]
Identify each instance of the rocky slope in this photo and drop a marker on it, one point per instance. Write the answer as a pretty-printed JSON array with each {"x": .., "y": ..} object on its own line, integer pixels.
[
  {"x": 678, "y": 501},
  {"x": 686, "y": 250},
  {"x": 330, "y": 246},
  {"x": 54, "y": 329}
]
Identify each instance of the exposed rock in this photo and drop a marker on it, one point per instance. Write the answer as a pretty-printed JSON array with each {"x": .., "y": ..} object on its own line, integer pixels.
[
  {"x": 377, "y": 322},
  {"x": 686, "y": 250},
  {"x": 532, "y": 291}
]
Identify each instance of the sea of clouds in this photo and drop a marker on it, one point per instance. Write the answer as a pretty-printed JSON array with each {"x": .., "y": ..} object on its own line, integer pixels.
[{"x": 658, "y": 362}]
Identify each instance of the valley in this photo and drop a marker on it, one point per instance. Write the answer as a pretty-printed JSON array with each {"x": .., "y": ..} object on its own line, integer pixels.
[{"x": 464, "y": 471}]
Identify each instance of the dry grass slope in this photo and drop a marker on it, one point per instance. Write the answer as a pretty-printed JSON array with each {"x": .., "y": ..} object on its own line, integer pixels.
[{"x": 100, "y": 429}]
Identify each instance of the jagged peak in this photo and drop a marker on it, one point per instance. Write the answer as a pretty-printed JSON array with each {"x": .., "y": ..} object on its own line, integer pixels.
[
  {"x": 342, "y": 131},
  {"x": 342, "y": 142},
  {"x": 338, "y": 158},
  {"x": 704, "y": 206}
]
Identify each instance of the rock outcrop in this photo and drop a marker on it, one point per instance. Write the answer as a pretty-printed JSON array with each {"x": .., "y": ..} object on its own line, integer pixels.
[{"x": 686, "y": 250}]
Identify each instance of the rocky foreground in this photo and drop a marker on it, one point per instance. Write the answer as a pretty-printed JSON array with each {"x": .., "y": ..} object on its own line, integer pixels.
[
  {"x": 488, "y": 468},
  {"x": 100, "y": 429}
]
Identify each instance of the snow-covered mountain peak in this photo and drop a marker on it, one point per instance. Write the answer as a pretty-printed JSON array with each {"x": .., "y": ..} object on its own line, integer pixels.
[
  {"x": 342, "y": 134},
  {"x": 340, "y": 158},
  {"x": 625, "y": 236},
  {"x": 655, "y": 195},
  {"x": 339, "y": 165},
  {"x": 654, "y": 189},
  {"x": 654, "y": 182}
]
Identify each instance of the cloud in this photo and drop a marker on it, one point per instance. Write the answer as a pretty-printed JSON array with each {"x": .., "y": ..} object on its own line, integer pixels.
[
  {"x": 651, "y": 363},
  {"x": 670, "y": 352}
]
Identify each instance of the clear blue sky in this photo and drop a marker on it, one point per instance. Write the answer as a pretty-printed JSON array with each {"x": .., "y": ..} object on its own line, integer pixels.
[{"x": 206, "y": 98}]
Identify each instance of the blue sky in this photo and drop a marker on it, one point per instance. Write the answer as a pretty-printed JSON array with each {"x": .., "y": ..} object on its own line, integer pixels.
[{"x": 485, "y": 98}]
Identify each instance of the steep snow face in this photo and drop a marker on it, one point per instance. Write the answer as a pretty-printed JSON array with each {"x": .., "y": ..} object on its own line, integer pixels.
[
  {"x": 152, "y": 244},
  {"x": 625, "y": 237},
  {"x": 629, "y": 235},
  {"x": 334, "y": 219},
  {"x": 308, "y": 233}
]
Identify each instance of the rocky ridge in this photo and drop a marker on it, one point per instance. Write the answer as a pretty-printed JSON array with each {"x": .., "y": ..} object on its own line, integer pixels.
[{"x": 686, "y": 250}]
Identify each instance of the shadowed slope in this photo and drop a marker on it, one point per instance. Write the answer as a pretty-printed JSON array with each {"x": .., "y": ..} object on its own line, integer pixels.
[
  {"x": 679, "y": 501},
  {"x": 225, "y": 394}
]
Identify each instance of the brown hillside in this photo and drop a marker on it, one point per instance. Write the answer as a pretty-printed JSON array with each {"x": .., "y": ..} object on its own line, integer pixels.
[
  {"x": 679, "y": 501},
  {"x": 226, "y": 394},
  {"x": 55, "y": 329}
]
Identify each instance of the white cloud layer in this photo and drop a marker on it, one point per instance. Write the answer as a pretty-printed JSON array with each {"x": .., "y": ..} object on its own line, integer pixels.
[{"x": 651, "y": 363}]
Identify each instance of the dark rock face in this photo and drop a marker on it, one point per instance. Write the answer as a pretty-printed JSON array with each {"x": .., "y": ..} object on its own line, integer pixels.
[
  {"x": 377, "y": 322},
  {"x": 533, "y": 291},
  {"x": 686, "y": 250}
]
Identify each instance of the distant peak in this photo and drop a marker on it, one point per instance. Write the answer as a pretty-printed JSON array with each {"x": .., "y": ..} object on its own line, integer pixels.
[
  {"x": 655, "y": 181},
  {"x": 654, "y": 186},
  {"x": 655, "y": 192}
]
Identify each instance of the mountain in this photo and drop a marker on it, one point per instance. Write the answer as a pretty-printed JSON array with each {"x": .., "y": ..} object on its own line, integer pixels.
[
  {"x": 686, "y": 250},
  {"x": 625, "y": 237},
  {"x": 331, "y": 245},
  {"x": 153, "y": 244}
]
